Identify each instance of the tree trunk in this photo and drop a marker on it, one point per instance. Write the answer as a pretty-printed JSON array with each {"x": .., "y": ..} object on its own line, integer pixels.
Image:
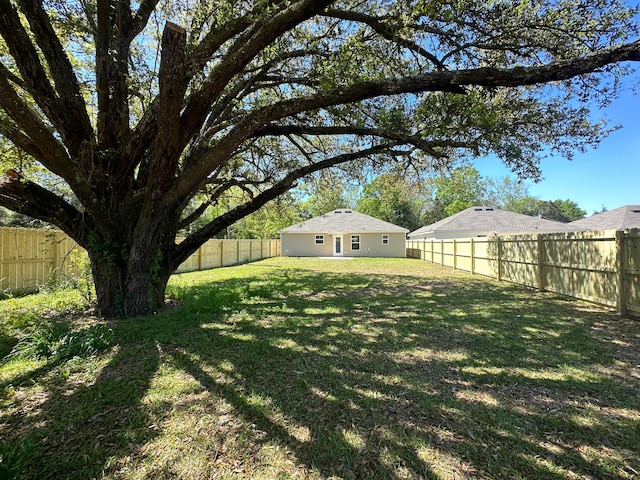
[{"x": 127, "y": 286}]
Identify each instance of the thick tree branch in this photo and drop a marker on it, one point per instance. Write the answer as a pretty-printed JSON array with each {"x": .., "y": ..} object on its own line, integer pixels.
[
  {"x": 112, "y": 40},
  {"x": 37, "y": 138},
  {"x": 445, "y": 81},
  {"x": 428, "y": 146},
  {"x": 183, "y": 250},
  {"x": 75, "y": 126},
  {"x": 20, "y": 140},
  {"x": 26, "y": 197},
  {"x": 173, "y": 85},
  {"x": 193, "y": 216}
]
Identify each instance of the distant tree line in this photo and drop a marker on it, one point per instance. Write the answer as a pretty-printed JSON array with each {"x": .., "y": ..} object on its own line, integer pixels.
[{"x": 398, "y": 198}]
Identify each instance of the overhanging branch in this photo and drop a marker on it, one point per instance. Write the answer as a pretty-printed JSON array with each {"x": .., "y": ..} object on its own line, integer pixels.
[
  {"x": 193, "y": 241},
  {"x": 23, "y": 196},
  {"x": 428, "y": 146},
  {"x": 386, "y": 32},
  {"x": 444, "y": 81}
]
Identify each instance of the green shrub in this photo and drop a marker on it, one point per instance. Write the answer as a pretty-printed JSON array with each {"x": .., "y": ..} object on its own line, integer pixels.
[
  {"x": 23, "y": 316},
  {"x": 13, "y": 458},
  {"x": 58, "y": 342},
  {"x": 84, "y": 343}
]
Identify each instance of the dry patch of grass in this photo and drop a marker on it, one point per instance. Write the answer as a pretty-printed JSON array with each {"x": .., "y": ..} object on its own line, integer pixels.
[{"x": 316, "y": 369}]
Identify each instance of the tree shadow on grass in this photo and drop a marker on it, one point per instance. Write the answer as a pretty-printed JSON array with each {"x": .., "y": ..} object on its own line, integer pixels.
[
  {"x": 356, "y": 381},
  {"x": 74, "y": 427},
  {"x": 348, "y": 376}
]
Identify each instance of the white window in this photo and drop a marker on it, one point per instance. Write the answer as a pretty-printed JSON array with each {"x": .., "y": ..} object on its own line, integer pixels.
[
  {"x": 355, "y": 242},
  {"x": 385, "y": 239},
  {"x": 319, "y": 239}
]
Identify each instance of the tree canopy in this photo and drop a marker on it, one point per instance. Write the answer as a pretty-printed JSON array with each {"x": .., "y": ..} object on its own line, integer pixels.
[
  {"x": 559, "y": 210},
  {"x": 393, "y": 200},
  {"x": 133, "y": 118}
]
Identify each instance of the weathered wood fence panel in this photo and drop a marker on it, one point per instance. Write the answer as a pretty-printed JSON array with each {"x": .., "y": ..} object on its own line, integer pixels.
[
  {"x": 582, "y": 265},
  {"x": 601, "y": 267},
  {"x": 222, "y": 253},
  {"x": 30, "y": 257}
]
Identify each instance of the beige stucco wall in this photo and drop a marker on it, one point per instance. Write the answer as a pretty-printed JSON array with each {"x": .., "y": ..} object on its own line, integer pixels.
[{"x": 303, "y": 245}]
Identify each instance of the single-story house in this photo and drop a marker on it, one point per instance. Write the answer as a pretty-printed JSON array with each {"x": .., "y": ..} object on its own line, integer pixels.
[
  {"x": 483, "y": 221},
  {"x": 622, "y": 218},
  {"x": 343, "y": 232}
]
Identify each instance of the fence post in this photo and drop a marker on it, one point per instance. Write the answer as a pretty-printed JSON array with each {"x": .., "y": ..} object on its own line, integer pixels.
[
  {"x": 432, "y": 254},
  {"x": 442, "y": 253},
  {"x": 541, "y": 255},
  {"x": 237, "y": 252},
  {"x": 620, "y": 269},
  {"x": 455, "y": 254},
  {"x": 499, "y": 260},
  {"x": 473, "y": 257},
  {"x": 221, "y": 252}
]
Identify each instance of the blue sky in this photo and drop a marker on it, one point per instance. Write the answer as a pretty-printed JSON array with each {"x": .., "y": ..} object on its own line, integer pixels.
[{"x": 608, "y": 176}]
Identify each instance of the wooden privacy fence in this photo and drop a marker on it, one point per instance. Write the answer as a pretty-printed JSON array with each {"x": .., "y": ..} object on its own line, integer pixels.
[
  {"x": 222, "y": 253},
  {"x": 31, "y": 257},
  {"x": 601, "y": 267}
]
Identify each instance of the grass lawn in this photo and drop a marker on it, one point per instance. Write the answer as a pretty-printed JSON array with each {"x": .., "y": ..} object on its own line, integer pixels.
[{"x": 308, "y": 368}]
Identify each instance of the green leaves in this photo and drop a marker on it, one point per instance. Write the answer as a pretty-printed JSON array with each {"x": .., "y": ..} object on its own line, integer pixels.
[
  {"x": 58, "y": 342},
  {"x": 392, "y": 199}
]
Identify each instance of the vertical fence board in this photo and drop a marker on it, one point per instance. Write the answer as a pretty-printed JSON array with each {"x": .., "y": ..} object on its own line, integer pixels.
[{"x": 485, "y": 254}]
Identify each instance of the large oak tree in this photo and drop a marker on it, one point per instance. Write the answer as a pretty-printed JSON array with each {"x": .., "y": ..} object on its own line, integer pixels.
[{"x": 148, "y": 112}]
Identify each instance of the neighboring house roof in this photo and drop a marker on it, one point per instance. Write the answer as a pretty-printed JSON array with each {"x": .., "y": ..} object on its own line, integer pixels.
[
  {"x": 490, "y": 219},
  {"x": 344, "y": 220},
  {"x": 621, "y": 218}
]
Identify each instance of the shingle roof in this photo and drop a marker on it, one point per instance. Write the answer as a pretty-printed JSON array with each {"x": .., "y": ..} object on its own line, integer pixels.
[
  {"x": 484, "y": 219},
  {"x": 344, "y": 220},
  {"x": 621, "y": 218}
]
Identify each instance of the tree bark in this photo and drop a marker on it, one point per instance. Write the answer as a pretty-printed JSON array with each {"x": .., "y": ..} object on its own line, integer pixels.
[
  {"x": 128, "y": 282},
  {"x": 125, "y": 293}
]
